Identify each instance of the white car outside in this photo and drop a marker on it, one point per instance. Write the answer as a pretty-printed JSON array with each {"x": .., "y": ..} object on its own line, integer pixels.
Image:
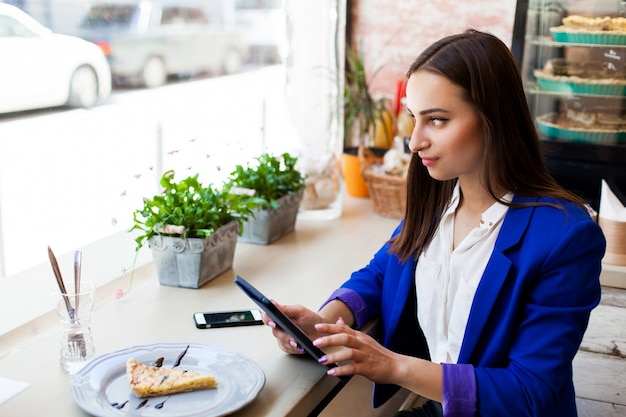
[{"x": 43, "y": 69}]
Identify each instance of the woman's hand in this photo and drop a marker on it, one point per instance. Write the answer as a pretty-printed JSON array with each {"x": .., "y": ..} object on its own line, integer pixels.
[
  {"x": 303, "y": 317},
  {"x": 361, "y": 353},
  {"x": 356, "y": 353}
]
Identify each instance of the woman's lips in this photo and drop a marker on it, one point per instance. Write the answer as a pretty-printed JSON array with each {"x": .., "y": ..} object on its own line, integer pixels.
[{"x": 428, "y": 161}]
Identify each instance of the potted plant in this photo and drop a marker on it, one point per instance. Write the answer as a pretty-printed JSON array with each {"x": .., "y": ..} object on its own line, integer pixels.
[
  {"x": 278, "y": 187},
  {"x": 368, "y": 122},
  {"x": 191, "y": 229}
]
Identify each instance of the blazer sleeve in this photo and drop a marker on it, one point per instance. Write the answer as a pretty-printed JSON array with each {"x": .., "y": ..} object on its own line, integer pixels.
[{"x": 369, "y": 281}]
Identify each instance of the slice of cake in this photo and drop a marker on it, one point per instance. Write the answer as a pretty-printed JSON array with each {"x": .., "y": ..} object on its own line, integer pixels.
[{"x": 153, "y": 381}]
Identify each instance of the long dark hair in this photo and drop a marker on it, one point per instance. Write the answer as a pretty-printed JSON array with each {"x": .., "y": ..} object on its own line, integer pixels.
[{"x": 485, "y": 69}]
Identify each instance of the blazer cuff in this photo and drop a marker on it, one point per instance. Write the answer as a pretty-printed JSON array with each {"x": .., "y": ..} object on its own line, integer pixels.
[
  {"x": 354, "y": 302},
  {"x": 459, "y": 390}
]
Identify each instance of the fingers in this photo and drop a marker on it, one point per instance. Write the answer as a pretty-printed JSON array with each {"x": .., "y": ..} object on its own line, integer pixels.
[
  {"x": 358, "y": 352},
  {"x": 340, "y": 335},
  {"x": 340, "y": 327},
  {"x": 296, "y": 346},
  {"x": 285, "y": 342},
  {"x": 267, "y": 320}
]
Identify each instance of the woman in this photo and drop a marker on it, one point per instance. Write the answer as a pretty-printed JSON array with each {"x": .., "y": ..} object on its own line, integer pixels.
[{"x": 484, "y": 290}]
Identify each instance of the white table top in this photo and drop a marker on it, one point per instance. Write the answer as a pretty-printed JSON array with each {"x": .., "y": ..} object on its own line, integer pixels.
[{"x": 300, "y": 268}]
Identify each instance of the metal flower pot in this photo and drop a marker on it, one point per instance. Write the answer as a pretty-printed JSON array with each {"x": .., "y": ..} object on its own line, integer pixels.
[
  {"x": 266, "y": 226},
  {"x": 193, "y": 262}
]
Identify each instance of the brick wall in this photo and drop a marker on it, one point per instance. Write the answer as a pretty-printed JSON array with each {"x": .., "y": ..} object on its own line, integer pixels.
[{"x": 394, "y": 32}]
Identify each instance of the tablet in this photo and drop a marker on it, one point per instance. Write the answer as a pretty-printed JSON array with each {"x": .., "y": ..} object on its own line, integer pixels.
[{"x": 282, "y": 320}]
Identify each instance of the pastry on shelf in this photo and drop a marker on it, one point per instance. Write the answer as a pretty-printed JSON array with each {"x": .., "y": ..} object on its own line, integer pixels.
[
  {"x": 596, "y": 120},
  {"x": 603, "y": 30},
  {"x": 618, "y": 24},
  {"x": 564, "y": 76},
  {"x": 585, "y": 69},
  {"x": 601, "y": 126},
  {"x": 576, "y": 22}
]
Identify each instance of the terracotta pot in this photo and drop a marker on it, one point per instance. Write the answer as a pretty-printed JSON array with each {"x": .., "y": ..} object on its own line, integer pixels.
[{"x": 351, "y": 168}]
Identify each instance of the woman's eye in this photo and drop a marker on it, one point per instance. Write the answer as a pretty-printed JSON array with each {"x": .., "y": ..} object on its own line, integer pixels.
[{"x": 435, "y": 121}]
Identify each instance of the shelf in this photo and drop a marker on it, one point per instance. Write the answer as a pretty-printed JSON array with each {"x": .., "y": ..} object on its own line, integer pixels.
[
  {"x": 548, "y": 42},
  {"x": 533, "y": 88},
  {"x": 587, "y": 143}
]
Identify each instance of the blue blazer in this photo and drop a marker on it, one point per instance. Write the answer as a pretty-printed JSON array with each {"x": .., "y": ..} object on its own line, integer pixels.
[{"x": 528, "y": 316}]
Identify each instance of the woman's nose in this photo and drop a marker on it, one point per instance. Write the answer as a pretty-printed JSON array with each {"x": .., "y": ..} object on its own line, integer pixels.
[{"x": 417, "y": 141}]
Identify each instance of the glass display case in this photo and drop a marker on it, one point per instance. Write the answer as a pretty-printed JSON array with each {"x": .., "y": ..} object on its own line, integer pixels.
[{"x": 572, "y": 56}]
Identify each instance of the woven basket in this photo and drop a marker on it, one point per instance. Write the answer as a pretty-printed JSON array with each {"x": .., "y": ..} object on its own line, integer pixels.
[{"x": 388, "y": 192}]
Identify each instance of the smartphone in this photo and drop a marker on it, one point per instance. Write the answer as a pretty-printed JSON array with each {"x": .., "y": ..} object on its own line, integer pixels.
[
  {"x": 284, "y": 322},
  {"x": 209, "y": 320}
]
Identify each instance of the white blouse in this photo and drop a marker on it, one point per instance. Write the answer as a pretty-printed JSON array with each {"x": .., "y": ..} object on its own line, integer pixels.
[{"x": 446, "y": 279}]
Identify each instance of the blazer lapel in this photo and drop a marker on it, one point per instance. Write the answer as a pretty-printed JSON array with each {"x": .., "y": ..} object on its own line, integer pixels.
[{"x": 496, "y": 271}]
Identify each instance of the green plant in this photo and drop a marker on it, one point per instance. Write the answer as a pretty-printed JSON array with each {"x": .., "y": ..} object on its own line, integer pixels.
[
  {"x": 271, "y": 177},
  {"x": 189, "y": 209},
  {"x": 360, "y": 107}
]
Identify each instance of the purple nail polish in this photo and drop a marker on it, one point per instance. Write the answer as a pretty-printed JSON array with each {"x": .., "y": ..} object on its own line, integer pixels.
[{"x": 323, "y": 359}]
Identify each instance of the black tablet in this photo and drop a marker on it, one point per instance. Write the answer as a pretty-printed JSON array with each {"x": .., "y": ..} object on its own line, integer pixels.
[{"x": 282, "y": 320}]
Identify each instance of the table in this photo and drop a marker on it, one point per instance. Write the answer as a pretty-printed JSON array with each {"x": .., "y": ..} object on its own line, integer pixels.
[{"x": 302, "y": 267}]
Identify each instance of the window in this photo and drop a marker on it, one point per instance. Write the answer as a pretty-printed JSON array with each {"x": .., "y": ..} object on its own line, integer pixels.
[{"x": 71, "y": 178}]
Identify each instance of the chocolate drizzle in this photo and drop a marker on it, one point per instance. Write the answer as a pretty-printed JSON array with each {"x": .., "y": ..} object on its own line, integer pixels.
[
  {"x": 180, "y": 357},
  {"x": 158, "y": 363},
  {"x": 118, "y": 405}
]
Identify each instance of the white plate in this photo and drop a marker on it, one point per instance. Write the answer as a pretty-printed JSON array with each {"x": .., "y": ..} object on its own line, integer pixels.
[{"x": 102, "y": 384}]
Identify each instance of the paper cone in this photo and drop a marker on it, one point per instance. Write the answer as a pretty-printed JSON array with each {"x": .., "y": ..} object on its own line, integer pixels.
[{"x": 612, "y": 220}]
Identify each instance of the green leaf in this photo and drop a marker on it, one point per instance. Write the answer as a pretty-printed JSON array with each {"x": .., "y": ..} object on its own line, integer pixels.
[
  {"x": 272, "y": 177},
  {"x": 359, "y": 105},
  {"x": 200, "y": 209}
]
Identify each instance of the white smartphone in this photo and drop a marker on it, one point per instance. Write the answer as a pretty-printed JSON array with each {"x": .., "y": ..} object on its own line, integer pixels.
[{"x": 213, "y": 319}]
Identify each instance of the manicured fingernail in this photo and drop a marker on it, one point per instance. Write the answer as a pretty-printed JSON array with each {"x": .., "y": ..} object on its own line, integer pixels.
[
  {"x": 297, "y": 346},
  {"x": 323, "y": 359},
  {"x": 331, "y": 371},
  {"x": 317, "y": 342},
  {"x": 272, "y": 324}
]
